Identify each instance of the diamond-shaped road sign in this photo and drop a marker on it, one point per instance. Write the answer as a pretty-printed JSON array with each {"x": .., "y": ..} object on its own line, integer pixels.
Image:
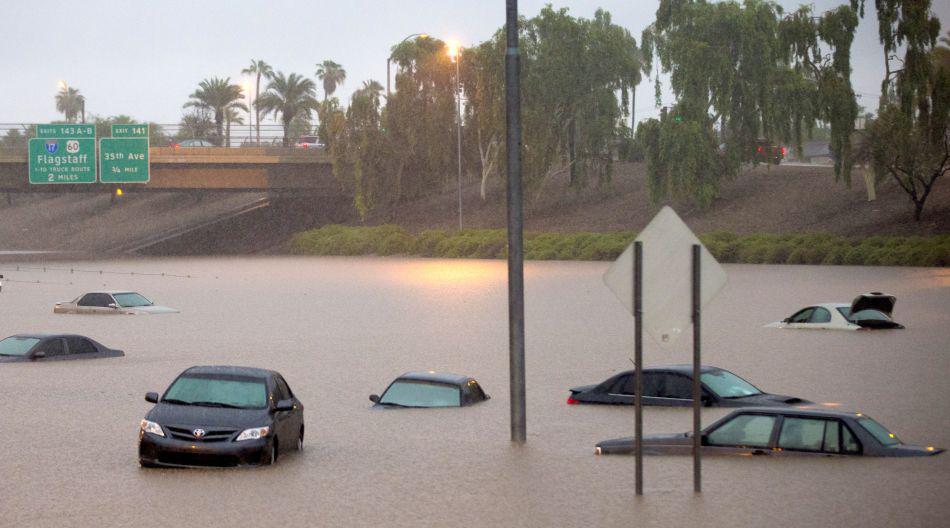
[{"x": 667, "y": 272}]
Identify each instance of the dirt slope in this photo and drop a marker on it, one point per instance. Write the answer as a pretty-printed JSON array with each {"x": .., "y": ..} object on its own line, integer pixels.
[{"x": 766, "y": 199}]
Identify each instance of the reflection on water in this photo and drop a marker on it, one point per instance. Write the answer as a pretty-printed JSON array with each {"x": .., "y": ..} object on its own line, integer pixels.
[{"x": 340, "y": 329}]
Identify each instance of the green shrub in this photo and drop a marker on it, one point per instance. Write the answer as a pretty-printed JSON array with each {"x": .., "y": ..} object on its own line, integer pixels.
[{"x": 817, "y": 248}]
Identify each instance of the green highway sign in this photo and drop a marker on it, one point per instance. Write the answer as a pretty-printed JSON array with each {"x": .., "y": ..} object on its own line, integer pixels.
[
  {"x": 65, "y": 131},
  {"x": 62, "y": 160},
  {"x": 123, "y": 158},
  {"x": 130, "y": 131}
]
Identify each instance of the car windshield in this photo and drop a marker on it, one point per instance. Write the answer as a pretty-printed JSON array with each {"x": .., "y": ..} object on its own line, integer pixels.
[
  {"x": 244, "y": 393},
  {"x": 420, "y": 394},
  {"x": 864, "y": 315},
  {"x": 17, "y": 346},
  {"x": 131, "y": 300},
  {"x": 878, "y": 431},
  {"x": 728, "y": 385}
]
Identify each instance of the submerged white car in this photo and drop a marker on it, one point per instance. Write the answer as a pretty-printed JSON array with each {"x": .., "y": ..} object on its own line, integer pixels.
[
  {"x": 869, "y": 311},
  {"x": 111, "y": 302}
]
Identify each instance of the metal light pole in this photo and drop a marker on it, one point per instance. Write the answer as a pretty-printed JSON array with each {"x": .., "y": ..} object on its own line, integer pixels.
[
  {"x": 456, "y": 51},
  {"x": 390, "y": 58},
  {"x": 515, "y": 227}
]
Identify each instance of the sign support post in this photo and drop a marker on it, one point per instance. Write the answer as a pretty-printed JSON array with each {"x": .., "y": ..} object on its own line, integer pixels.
[
  {"x": 697, "y": 391},
  {"x": 638, "y": 360}
]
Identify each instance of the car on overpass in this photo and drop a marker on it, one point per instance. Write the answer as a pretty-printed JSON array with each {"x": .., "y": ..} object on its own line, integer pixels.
[
  {"x": 672, "y": 386},
  {"x": 779, "y": 432},
  {"x": 53, "y": 347},
  {"x": 309, "y": 142},
  {"x": 193, "y": 143},
  {"x": 110, "y": 303}
]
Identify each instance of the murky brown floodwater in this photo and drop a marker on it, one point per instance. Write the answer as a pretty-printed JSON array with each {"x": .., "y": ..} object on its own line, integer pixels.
[{"x": 342, "y": 328}]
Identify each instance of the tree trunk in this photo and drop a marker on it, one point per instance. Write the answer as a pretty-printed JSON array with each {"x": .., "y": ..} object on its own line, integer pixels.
[
  {"x": 571, "y": 152},
  {"x": 257, "y": 109}
]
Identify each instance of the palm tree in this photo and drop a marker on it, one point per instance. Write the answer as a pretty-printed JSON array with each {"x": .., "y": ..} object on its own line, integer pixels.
[
  {"x": 231, "y": 115},
  {"x": 374, "y": 91},
  {"x": 217, "y": 95},
  {"x": 69, "y": 102},
  {"x": 289, "y": 96},
  {"x": 332, "y": 75},
  {"x": 260, "y": 69}
]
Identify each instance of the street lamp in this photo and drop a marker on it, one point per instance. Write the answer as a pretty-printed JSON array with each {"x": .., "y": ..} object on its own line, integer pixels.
[
  {"x": 454, "y": 49},
  {"x": 390, "y": 58},
  {"x": 246, "y": 86}
]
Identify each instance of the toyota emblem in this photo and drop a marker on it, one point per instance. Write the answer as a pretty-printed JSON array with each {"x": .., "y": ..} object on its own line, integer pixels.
[{"x": 198, "y": 433}]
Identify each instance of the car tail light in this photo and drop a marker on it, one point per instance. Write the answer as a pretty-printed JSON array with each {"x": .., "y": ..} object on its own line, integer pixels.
[
  {"x": 760, "y": 149},
  {"x": 571, "y": 400},
  {"x": 784, "y": 151}
]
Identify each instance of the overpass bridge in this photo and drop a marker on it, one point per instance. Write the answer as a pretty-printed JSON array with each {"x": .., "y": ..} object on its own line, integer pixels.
[{"x": 272, "y": 169}]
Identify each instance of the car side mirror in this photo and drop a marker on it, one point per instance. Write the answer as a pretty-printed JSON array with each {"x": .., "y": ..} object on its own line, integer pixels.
[
  {"x": 151, "y": 397},
  {"x": 374, "y": 398},
  {"x": 284, "y": 405},
  {"x": 39, "y": 354},
  {"x": 113, "y": 306},
  {"x": 787, "y": 320}
]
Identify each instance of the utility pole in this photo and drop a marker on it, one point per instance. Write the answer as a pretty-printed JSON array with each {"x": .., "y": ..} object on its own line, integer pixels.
[{"x": 515, "y": 227}]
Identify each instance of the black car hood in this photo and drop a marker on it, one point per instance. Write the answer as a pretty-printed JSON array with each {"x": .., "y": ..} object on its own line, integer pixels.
[
  {"x": 173, "y": 414},
  {"x": 625, "y": 445},
  {"x": 768, "y": 400}
]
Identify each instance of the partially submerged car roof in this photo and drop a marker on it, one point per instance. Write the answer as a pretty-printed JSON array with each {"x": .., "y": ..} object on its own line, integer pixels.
[
  {"x": 45, "y": 336},
  {"x": 881, "y": 302},
  {"x": 228, "y": 370},
  {"x": 436, "y": 377},
  {"x": 803, "y": 410}
]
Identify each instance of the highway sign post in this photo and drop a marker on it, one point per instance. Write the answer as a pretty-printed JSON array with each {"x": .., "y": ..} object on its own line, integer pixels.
[
  {"x": 648, "y": 278},
  {"x": 123, "y": 158}
]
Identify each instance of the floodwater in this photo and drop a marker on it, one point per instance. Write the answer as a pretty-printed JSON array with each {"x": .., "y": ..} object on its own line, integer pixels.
[{"x": 342, "y": 328}]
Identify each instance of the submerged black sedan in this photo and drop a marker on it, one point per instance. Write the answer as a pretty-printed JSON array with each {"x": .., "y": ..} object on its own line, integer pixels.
[
  {"x": 776, "y": 432},
  {"x": 53, "y": 347},
  {"x": 672, "y": 386},
  {"x": 221, "y": 416},
  {"x": 431, "y": 389}
]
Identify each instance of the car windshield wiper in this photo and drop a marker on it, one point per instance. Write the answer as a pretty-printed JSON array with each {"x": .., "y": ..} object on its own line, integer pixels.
[
  {"x": 395, "y": 404},
  {"x": 218, "y": 404},
  {"x": 177, "y": 402},
  {"x": 741, "y": 396}
]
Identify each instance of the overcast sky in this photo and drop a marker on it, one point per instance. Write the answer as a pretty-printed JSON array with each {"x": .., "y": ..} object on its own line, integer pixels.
[{"x": 143, "y": 58}]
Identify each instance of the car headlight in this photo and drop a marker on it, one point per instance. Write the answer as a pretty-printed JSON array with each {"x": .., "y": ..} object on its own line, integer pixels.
[
  {"x": 151, "y": 427},
  {"x": 253, "y": 433}
]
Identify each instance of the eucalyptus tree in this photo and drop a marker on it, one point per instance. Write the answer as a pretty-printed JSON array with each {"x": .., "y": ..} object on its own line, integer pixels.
[
  {"x": 259, "y": 69},
  {"x": 217, "y": 95},
  {"x": 288, "y": 96},
  {"x": 573, "y": 71},
  {"x": 419, "y": 120},
  {"x": 909, "y": 141},
  {"x": 69, "y": 102},
  {"x": 361, "y": 152},
  {"x": 751, "y": 71}
]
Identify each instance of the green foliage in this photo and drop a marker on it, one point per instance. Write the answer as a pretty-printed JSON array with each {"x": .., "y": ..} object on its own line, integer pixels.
[
  {"x": 751, "y": 72},
  {"x": 288, "y": 96},
  {"x": 331, "y": 75},
  {"x": 70, "y": 102},
  {"x": 813, "y": 249},
  {"x": 910, "y": 139},
  {"x": 217, "y": 96}
]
